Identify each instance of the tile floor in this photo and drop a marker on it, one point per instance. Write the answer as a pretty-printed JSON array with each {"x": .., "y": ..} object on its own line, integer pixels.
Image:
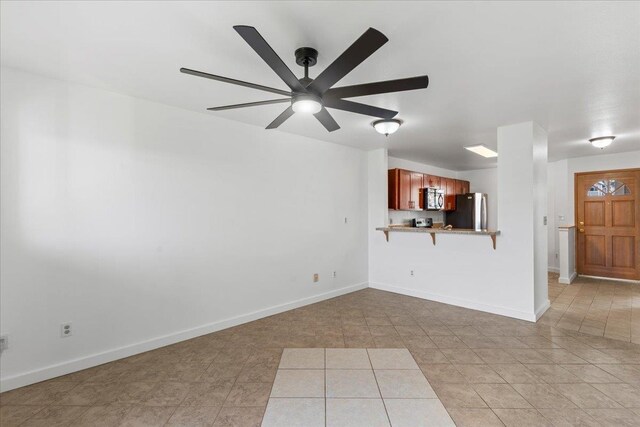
[
  {"x": 352, "y": 387},
  {"x": 485, "y": 369},
  {"x": 596, "y": 307}
]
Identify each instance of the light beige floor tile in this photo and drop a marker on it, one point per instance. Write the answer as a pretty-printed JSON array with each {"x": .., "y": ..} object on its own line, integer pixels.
[
  {"x": 417, "y": 413},
  {"x": 522, "y": 418},
  {"x": 479, "y": 374},
  {"x": 299, "y": 383},
  {"x": 193, "y": 416},
  {"x": 626, "y": 395},
  {"x": 101, "y": 416},
  {"x": 403, "y": 384},
  {"x": 356, "y": 413},
  {"x": 302, "y": 358},
  {"x": 355, "y": 383},
  {"x": 585, "y": 396},
  {"x": 501, "y": 396},
  {"x": 543, "y": 396},
  {"x": 285, "y": 412},
  {"x": 347, "y": 358},
  {"x": 473, "y": 417},
  {"x": 143, "y": 416},
  {"x": 569, "y": 417},
  {"x": 591, "y": 374},
  {"x": 615, "y": 417},
  {"x": 384, "y": 358},
  {"x": 458, "y": 396}
]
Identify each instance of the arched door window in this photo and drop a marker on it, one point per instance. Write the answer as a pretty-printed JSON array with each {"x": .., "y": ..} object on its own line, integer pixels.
[{"x": 613, "y": 187}]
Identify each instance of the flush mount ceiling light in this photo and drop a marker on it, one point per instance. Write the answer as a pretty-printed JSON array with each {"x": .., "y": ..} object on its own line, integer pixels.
[
  {"x": 306, "y": 104},
  {"x": 602, "y": 141},
  {"x": 387, "y": 126},
  {"x": 482, "y": 150}
]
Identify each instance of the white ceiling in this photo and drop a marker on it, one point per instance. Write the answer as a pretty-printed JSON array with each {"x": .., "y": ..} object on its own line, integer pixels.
[{"x": 572, "y": 67}]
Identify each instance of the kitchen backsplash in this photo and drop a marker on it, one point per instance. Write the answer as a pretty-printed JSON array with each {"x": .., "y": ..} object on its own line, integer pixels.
[{"x": 405, "y": 217}]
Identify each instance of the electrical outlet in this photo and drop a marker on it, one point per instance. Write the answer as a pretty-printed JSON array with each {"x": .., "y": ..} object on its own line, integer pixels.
[
  {"x": 335, "y": 274},
  {"x": 4, "y": 343},
  {"x": 316, "y": 278},
  {"x": 411, "y": 273},
  {"x": 66, "y": 330}
]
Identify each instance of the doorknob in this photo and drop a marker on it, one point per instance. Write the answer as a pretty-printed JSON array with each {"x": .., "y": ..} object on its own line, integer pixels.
[
  {"x": 581, "y": 222},
  {"x": 582, "y": 230}
]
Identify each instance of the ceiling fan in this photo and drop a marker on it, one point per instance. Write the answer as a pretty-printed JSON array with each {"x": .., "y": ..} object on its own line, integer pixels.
[{"x": 314, "y": 96}]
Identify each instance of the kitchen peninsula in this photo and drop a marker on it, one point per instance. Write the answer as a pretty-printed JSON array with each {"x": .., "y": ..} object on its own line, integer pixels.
[{"x": 433, "y": 231}]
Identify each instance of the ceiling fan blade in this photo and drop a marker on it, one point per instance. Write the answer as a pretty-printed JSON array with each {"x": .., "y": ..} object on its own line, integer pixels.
[
  {"x": 355, "y": 54},
  {"x": 249, "y": 104},
  {"x": 262, "y": 48},
  {"x": 356, "y": 107},
  {"x": 327, "y": 121},
  {"x": 281, "y": 118},
  {"x": 234, "y": 81},
  {"x": 399, "y": 85}
]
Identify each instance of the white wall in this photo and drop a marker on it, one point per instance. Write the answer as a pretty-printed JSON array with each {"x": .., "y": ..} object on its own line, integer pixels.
[
  {"x": 144, "y": 224},
  {"x": 561, "y": 188},
  {"x": 485, "y": 181}
]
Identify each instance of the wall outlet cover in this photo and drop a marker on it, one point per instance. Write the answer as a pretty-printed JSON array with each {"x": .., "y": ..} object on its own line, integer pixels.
[
  {"x": 4, "y": 342},
  {"x": 316, "y": 278},
  {"x": 65, "y": 330}
]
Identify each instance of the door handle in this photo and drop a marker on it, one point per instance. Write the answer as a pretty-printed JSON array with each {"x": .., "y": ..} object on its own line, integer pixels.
[
  {"x": 582, "y": 230},
  {"x": 581, "y": 222}
]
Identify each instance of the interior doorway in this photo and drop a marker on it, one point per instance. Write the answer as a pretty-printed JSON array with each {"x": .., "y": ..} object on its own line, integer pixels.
[{"x": 608, "y": 223}]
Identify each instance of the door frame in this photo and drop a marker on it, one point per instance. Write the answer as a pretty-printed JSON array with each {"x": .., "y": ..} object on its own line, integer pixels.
[{"x": 575, "y": 211}]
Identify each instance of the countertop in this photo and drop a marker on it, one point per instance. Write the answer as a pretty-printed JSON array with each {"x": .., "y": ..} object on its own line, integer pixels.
[
  {"x": 439, "y": 230},
  {"x": 433, "y": 231}
]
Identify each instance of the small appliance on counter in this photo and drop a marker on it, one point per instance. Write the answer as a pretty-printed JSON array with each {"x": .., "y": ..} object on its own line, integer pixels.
[
  {"x": 422, "y": 222},
  {"x": 470, "y": 213},
  {"x": 434, "y": 198}
]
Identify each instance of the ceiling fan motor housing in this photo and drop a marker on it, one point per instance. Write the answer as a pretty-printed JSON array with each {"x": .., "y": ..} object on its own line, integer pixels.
[{"x": 306, "y": 56}]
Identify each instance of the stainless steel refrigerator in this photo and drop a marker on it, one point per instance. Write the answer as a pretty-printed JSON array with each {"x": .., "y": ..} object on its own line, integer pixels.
[{"x": 471, "y": 212}]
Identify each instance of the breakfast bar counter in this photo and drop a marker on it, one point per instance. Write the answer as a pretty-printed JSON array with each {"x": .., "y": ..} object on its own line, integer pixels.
[{"x": 433, "y": 231}]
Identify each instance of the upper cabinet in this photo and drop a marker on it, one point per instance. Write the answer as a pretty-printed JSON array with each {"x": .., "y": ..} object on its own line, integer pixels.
[{"x": 405, "y": 189}]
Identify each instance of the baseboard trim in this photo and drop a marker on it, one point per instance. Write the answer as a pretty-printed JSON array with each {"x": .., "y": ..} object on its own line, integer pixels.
[
  {"x": 90, "y": 361},
  {"x": 553, "y": 269},
  {"x": 615, "y": 279},
  {"x": 540, "y": 311},
  {"x": 568, "y": 280},
  {"x": 522, "y": 315}
]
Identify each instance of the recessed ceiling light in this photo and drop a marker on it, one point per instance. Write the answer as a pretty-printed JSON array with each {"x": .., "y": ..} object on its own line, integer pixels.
[
  {"x": 602, "y": 141},
  {"x": 387, "y": 126},
  {"x": 482, "y": 150}
]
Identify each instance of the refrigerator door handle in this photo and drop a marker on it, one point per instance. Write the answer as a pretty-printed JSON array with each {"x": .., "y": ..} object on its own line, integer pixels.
[{"x": 484, "y": 211}]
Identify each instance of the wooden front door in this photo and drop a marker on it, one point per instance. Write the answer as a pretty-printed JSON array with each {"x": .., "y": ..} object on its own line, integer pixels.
[{"x": 608, "y": 223}]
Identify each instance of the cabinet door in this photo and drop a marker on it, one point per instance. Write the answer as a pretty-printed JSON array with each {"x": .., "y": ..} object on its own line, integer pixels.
[
  {"x": 392, "y": 188},
  {"x": 432, "y": 181},
  {"x": 462, "y": 187},
  {"x": 416, "y": 189},
  {"x": 449, "y": 187},
  {"x": 404, "y": 190}
]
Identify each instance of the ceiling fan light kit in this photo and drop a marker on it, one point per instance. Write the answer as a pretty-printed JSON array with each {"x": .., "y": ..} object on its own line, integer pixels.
[
  {"x": 387, "y": 126},
  {"x": 314, "y": 96},
  {"x": 602, "y": 141}
]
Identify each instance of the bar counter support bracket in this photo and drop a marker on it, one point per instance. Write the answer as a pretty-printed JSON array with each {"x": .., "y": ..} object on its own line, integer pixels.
[{"x": 433, "y": 238}]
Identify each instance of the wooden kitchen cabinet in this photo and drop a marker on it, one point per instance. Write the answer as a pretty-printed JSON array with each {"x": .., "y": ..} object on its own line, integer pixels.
[
  {"x": 462, "y": 187},
  {"x": 405, "y": 190},
  {"x": 432, "y": 181},
  {"x": 449, "y": 187}
]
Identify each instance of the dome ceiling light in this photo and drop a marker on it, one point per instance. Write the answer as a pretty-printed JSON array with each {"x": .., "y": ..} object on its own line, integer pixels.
[
  {"x": 602, "y": 141},
  {"x": 387, "y": 126}
]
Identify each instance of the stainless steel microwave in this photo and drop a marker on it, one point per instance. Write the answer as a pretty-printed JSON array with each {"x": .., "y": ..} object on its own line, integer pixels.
[{"x": 434, "y": 199}]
